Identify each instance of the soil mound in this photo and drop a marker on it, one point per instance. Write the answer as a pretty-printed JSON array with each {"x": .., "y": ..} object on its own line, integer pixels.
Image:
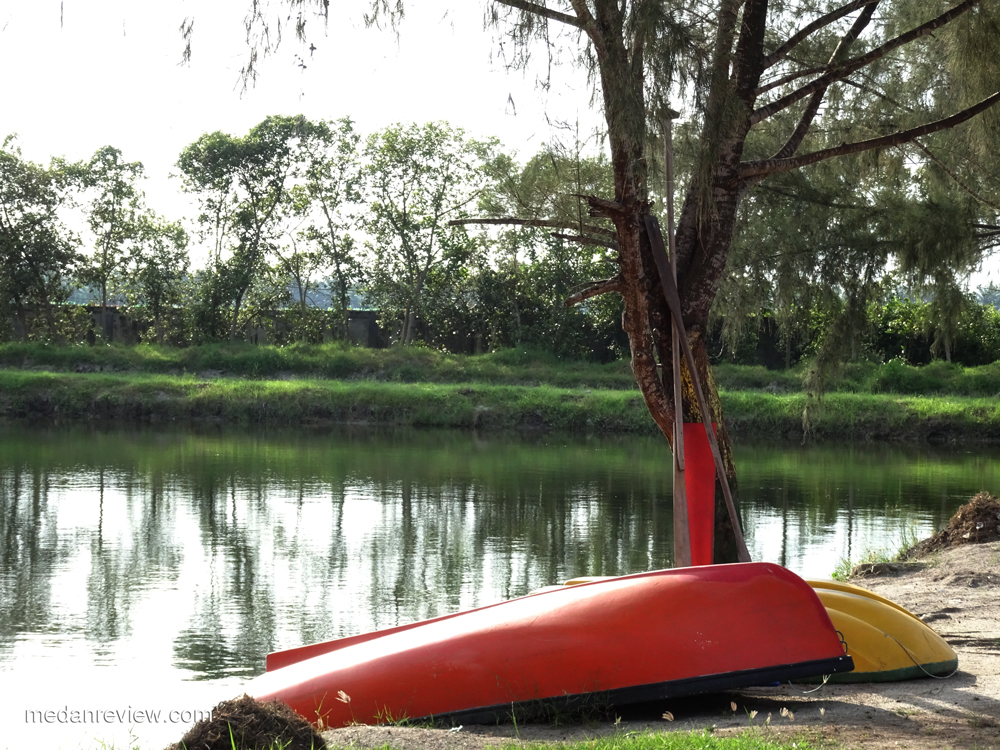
[
  {"x": 247, "y": 724},
  {"x": 976, "y": 522}
]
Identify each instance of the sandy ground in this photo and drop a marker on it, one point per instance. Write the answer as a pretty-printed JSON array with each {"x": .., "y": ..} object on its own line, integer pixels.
[{"x": 956, "y": 590}]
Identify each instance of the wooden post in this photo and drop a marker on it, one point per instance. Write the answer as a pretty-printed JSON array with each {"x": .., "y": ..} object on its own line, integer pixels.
[{"x": 682, "y": 533}]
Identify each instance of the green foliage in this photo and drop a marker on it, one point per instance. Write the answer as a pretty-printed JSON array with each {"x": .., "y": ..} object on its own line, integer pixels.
[
  {"x": 155, "y": 275},
  {"x": 906, "y": 329},
  {"x": 521, "y": 303},
  {"x": 243, "y": 185},
  {"x": 521, "y": 291},
  {"x": 115, "y": 214},
  {"x": 901, "y": 327},
  {"x": 418, "y": 179},
  {"x": 322, "y": 202},
  {"x": 551, "y": 185},
  {"x": 37, "y": 252},
  {"x": 309, "y": 325}
]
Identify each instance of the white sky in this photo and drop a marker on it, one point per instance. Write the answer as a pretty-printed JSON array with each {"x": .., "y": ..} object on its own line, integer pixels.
[{"x": 109, "y": 75}]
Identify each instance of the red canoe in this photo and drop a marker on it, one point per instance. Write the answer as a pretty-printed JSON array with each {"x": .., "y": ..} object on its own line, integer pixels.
[{"x": 623, "y": 640}]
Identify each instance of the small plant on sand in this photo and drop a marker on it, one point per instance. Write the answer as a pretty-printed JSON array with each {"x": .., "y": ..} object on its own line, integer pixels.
[{"x": 907, "y": 539}]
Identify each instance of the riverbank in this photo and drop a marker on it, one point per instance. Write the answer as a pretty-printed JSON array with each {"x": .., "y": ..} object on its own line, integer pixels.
[{"x": 245, "y": 385}]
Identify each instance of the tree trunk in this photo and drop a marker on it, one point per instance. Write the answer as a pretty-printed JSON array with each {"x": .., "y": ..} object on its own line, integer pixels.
[
  {"x": 104, "y": 311},
  {"x": 234, "y": 322},
  {"x": 703, "y": 228},
  {"x": 21, "y": 324},
  {"x": 406, "y": 336}
]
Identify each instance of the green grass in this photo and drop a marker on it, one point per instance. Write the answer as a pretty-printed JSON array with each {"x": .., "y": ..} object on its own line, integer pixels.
[
  {"x": 875, "y": 556},
  {"x": 751, "y": 739},
  {"x": 703, "y": 740},
  {"x": 506, "y": 367},
  {"x": 512, "y": 389},
  {"x": 195, "y": 398},
  {"x": 146, "y": 397},
  {"x": 699, "y": 740},
  {"x": 326, "y": 361}
]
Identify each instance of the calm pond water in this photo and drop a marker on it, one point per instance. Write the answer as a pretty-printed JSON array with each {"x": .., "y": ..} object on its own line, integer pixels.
[{"x": 148, "y": 570}]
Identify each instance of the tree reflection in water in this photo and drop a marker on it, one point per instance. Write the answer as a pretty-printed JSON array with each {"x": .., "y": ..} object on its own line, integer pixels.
[{"x": 209, "y": 549}]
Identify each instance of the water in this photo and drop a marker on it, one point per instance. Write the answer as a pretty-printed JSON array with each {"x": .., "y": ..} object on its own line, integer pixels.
[{"x": 149, "y": 570}]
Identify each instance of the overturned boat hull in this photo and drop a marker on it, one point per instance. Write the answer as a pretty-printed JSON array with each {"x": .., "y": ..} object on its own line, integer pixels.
[
  {"x": 887, "y": 642},
  {"x": 621, "y": 640}
]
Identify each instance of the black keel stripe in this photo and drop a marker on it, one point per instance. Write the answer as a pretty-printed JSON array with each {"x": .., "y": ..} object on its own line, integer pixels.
[{"x": 654, "y": 691}]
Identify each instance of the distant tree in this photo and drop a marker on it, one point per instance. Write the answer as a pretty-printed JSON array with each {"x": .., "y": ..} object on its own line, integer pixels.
[
  {"x": 300, "y": 266},
  {"x": 115, "y": 211},
  {"x": 520, "y": 301},
  {"x": 533, "y": 276},
  {"x": 156, "y": 270},
  {"x": 328, "y": 199},
  {"x": 989, "y": 295},
  {"x": 418, "y": 178},
  {"x": 243, "y": 186},
  {"x": 37, "y": 252}
]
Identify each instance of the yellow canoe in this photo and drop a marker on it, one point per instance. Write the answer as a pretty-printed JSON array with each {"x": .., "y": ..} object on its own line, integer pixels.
[{"x": 887, "y": 642}]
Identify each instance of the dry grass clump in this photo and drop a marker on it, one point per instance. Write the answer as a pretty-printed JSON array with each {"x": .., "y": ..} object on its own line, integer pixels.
[
  {"x": 247, "y": 724},
  {"x": 976, "y": 522}
]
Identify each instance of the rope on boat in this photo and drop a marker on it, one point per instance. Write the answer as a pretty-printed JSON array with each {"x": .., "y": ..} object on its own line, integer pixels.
[
  {"x": 826, "y": 677},
  {"x": 921, "y": 666}
]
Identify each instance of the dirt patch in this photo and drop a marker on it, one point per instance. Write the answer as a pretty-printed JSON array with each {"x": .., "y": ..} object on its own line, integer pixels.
[
  {"x": 248, "y": 724},
  {"x": 976, "y": 522},
  {"x": 957, "y": 589}
]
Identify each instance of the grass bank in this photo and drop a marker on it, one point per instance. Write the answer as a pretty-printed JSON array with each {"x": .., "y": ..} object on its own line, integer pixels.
[
  {"x": 241, "y": 384},
  {"x": 702, "y": 740},
  {"x": 323, "y": 362}
]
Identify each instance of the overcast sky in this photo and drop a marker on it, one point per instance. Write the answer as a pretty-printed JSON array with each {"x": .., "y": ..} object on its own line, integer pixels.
[{"x": 81, "y": 74}]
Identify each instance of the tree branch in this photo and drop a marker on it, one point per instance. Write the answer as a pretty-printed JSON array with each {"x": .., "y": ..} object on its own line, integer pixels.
[
  {"x": 789, "y": 78},
  {"x": 747, "y": 67},
  {"x": 541, "y": 10},
  {"x": 614, "y": 284},
  {"x": 757, "y": 170},
  {"x": 547, "y": 223},
  {"x": 793, "y": 41},
  {"x": 584, "y": 240},
  {"x": 600, "y": 207},
  {"x": 849, "y": 66},
  {"x": 805, "y": 122},
  {"x": 589, "y": 24}
]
